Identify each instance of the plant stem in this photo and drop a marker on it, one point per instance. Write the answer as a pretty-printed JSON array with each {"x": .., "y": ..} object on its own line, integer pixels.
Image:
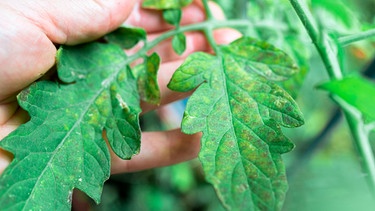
[
  {"x": 321, "y": 41},
  {"x": 360, "y": 134},
  {"x": 323, "y": 44},
  {"x": 346, "y": 40},
  {"x": 208, "y": 31},
  {"x": 209, "y": 15},
  {"x": 203, "y": 26}
]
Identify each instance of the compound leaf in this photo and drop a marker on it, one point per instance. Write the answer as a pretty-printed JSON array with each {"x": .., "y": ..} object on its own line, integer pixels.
[
  {"x": 240, "y": 111},
  {"x": 62, "y": 146},
  {"x": 165, "y": 4}
]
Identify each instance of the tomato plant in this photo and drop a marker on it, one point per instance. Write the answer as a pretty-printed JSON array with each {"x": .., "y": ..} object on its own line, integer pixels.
[{"x": 244, "y": 93}]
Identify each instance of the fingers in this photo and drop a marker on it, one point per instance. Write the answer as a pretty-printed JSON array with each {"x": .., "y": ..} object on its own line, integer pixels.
[
  {"x": 159, "y": 149},
  {"x": 72, "y": 21},
  {"x": 195, "y": 41},
  {"x": 152, "y": 20},
  {"x": 16, "y": 117},
  {"x": 28, "y": 52},
  {"x": 166, "y": 70},
  {"x": 167, "y": 96},
  {"x": 5, "y": 159}
]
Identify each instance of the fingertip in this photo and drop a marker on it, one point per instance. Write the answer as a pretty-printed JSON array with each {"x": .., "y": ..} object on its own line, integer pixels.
[
  {"x": 226, "y": 35},
  {"x": 5, "y": 159},
  {"x": 215, "y": 8},
  {"x": 159, "y": 149},
  {"x": 223, "y": 35},
  {"x": 216, "y": 11}
]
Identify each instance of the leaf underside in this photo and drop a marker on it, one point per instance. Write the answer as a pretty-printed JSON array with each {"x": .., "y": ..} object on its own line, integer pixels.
[
  {"x": 62, "y": 146},
  {"x": 240, "y": 110}
]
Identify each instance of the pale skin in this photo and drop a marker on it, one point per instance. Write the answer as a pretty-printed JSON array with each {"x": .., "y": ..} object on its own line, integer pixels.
[{"x": 30, "y": 31}]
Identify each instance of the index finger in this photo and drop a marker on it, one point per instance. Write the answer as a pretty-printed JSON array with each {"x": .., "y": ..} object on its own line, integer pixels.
[{"x": 152, "y": 20}]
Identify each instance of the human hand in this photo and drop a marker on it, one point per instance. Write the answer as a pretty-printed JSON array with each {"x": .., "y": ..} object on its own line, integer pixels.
[{"x": 30, "y": 31}]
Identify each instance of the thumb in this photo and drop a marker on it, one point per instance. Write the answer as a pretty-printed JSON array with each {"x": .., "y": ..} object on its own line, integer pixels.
[
  {"x": 29, "y": 30},
  {"x": 76, "y": 21}
]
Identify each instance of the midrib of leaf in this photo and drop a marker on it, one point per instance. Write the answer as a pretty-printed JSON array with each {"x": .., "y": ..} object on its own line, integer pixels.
[
  {"x": 240, "y": 150},
  {"x": 77, "y": 123},
  {"x": 232, "y": 132}
]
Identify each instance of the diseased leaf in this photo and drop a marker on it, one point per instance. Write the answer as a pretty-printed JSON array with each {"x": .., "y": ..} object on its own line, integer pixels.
[
  {"x": 126, "y": 37},
  {"x": 147, "y": 79},
  {"x": 356, "y": 91},
  {"x": 240, "y": 113},
  {"x": 179, "y": 43},
  {"x": 262, "y": 58},
  {"x": 165, "y": 4},
  {"x": 296, "y": 50},
  {"x": 172, "y": 16},
  {"x": 61, "y": 147}
]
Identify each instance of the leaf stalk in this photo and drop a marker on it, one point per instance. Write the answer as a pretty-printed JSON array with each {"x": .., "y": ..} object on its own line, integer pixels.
[
  {"x": 209, "y": 15},
  {"x": 349, "y": 39},
  {"x": 320, "y": 40},
  {"x": 323, "y": 44},
  {"x": 205, "y": 26},
  {"x": 360, "y": 133}
]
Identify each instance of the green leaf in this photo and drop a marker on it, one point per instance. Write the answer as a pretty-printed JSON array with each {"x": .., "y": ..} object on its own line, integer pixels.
[
  {"x": 165, "y": 4},
  {"x": 357, "y": 91},
  {"x": 147, "y": 79},
  {"x": 126, "y": 37},
  {"x": 179, "y": 43},
  {"x": 262, "y": 58},
  {"x": 62, "y": 146},
  {"x": 240, "y": 112},
  {"x": 172, "y": 16},
  {"x": 336, "y": 15}
]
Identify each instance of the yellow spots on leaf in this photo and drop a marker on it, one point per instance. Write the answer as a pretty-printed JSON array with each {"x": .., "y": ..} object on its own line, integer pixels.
[
  {"x": 123, "y": 104},
  {"x": 121, "y": 76},
  {"x": 66, "y": 127},
  {"x": 242, "y": 187}
]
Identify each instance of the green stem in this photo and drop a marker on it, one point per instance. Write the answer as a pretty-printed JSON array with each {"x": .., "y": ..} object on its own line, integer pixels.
[
  {"x": 203, "y": 26},
  {"x": 321, "y": 41},
  {"x": 346, "y": 40},
  {"x": 209, "y": 15},
  {"x": 360, "y": 134},
  {"x": 323, "y": 44},
  {"x": 208, "y": 31}
]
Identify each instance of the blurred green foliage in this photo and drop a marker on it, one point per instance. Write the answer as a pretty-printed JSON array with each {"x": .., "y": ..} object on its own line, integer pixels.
[{"x": 324, "y": 172}]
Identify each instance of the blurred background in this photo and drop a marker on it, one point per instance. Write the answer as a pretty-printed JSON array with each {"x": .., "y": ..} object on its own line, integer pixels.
[{"x": 324, "y": 170}]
